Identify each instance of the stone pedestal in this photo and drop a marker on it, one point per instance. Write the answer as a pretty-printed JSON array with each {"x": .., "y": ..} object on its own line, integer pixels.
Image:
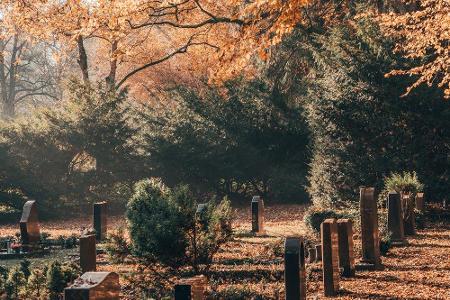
[
  {"x": 88, "y": 253},
  {"x": 409, "y": 217},
  {"x": 420, "y": 202},
  {"x": 29, "y": 226},
  {"x": 318, "y": 253},
  {"x": 294, "y": 269},
  {"x": 191, "y": 288},
  {"x": 257, "y": 208},
  {"x": 346, "y": 251},
  {"x": 370, "y": 241},
  {"x": 100, "y": 220},
  {"x": 311, "y": 255},
  {"x": 395, "y": 218},
  {"x": 330, "y": 257},
  {"x": 94, "y": 286}
]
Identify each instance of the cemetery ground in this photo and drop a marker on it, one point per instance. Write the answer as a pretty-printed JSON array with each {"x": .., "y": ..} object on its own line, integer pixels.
[{"x": 251, "y": 267}]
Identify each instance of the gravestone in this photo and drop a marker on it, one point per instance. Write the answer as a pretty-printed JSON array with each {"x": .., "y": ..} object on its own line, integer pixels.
[
  {"x": 201, "y": 208},
  {"x": 100, "y": 220},
  {"x": 409, "y": 217},
  {"x": 346, "y": 251},
  {"x": 29, "y": 225},
  {"x": 311, "y": 255},
  {"x": 88, "y": 253},
  {"x": 257, "y": 208},
  {"x": 319, "y": 253},
  {"x": 94, "y": 286},
  {"x": 330, "y": 257},
  {"x": 370, "y": 241},
  {"x": 395, "y": 218},
  {"x": 420, "y": 202},
  {"x": 191, "y": 288},
  {"x": 294, "y": 269}
]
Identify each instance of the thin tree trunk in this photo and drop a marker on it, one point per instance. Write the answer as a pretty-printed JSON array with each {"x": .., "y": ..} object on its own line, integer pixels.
[
  {"x": 111, "y": 79},
  {"x": 83, "y": 59}
]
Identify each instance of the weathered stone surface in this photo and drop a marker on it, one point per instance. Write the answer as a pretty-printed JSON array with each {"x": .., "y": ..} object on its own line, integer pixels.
[
  {"x": 395, "y": 218},
  {"x": 420, "y": 202},
  {"x": 346, "y": 251},
  {"x": 88, "y": 253},
  {"x": 409, "y": 217},
  {"x": 319, "y": 253},
  {"x": 100, "y": 220},
  {"x": 94, "y": 286},
  {"x": 257, "y": 208},
  {"x": 311, "y": 255},
  {"x": 294, "y": 269},
  {"x": 191, "y": 288},
  {"x": 369, "y": 228},
  {"x": 29, "y": 225},
  {"x": 330, "y": 257}
]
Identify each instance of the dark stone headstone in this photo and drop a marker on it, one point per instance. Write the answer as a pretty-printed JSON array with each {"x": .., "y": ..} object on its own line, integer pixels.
[
  {"x": 319, "y": 253},
  {"x": 88, "y": 253},
  {"x": 94, "y": 286},
  {"x": 330, "y": 257},
  {"x": 191, "y": 288},
  {"x": 346, "y": 251},
  {"x": 420, "y": 202},
  {"x": 311, "y": 255},
  {"x": 29, "y": 225},
  {"x": 257, "y": 208},
  {"x": 370, "y": 241},
  {"x": 294, "y": 269},
  {"x": 409, "y": 217},
  {"x": 395, "y": 219},
  {"x": 100, "y": 220}
]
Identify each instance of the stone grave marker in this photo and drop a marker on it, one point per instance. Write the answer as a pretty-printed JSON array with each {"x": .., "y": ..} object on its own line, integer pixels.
[
  {"x": 94, "y": 286},
  {"x": 88, "y": 253},
  {"x": 346, "y": 251},
  {"x": 191, "y": 288},
  {"x": 257, "y": 208},
  {"x": 311, "y": 255},
  {"x": 319, "y": 253},
  {"x": 370, "y": 241},
  {"x": 420, "y": 202},
  {"x": 100, "y": 220},
  {"x": 395, "y": 218},
  {"x": 29, "y": 225},
  {"x": 294, "y": 269},
  {"x": 409, "y": 217},
  {"x": 330, "y": 257}
]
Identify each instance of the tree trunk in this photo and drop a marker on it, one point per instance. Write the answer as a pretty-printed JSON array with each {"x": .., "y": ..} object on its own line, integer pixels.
[
  {"x": 83, "y": 59},
  {"x": 111, "y": 79}
]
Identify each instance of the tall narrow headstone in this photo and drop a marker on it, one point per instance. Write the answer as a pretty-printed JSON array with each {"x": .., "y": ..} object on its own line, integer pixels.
[
  {"x": 257, "y": 208},
  {"x": 311, "y": 255},
  {"x": 29, "y": 225},
  {"x": 330, "y": 257},
  {"x": 395, "y": 219},
  {"x": 100, "y": 220},
  {"x": 294, "y": 268},
  {"x": 319, "y": 253},
  {"x": 94, "y": 286},
  {"x": 369, "y": 229},
  {"x": 346, "y": 251},
  {"x": 409, "y": 217},
  {"x": 191, "y": 288},
  {"x": 88, "y": 253},
  {"x": 420, "y": 202}
]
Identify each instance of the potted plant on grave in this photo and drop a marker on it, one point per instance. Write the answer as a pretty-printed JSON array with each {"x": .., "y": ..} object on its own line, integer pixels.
[{"x": 15, "y": 247}]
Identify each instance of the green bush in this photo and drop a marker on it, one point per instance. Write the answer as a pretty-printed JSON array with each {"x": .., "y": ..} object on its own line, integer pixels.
[
  {"x": 55, "y": 280},
  {"x": 315, "y": 216},
  {"x": 402, "y": 183},
  {"x": 117, "y": 246},
  {"x": 163, "y": 225},
  {"x": 15, "y": 282}
]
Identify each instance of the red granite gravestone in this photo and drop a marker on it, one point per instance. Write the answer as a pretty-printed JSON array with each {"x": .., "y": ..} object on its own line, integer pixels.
[
  {"x": 420, "y": 203},
  {"x": 346, "y": 252},
  {"x": 100, "y": 220},
  {"x": 318, "y": 253},
  {"x": 395, "y": 219},
  {"x": 191, "y": 288},
  {"x": 29, "y": 225},
  {"x": 88, "y": 253},
  {"x": 294, "y": 269},
  {"x": 370, "y": 241},
  {"x": 330, "y": 257},
  {"x": 257, "y": 208},
  {"x": 94, "y": 286}
]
